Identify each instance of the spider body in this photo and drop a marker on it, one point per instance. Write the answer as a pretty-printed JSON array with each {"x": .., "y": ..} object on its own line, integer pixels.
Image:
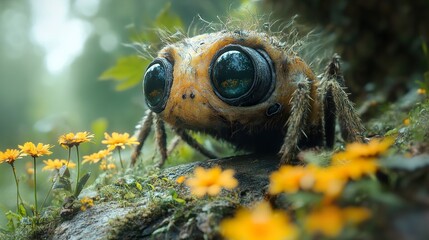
[{"x": 247, "y": 89}]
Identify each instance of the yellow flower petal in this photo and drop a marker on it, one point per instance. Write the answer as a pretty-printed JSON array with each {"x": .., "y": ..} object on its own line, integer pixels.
[
  {"x": 69, "y": 140},
  {"x": 10, "y": 156},
  {"x": 327, "y": 221},
  {"x": 118, "y": 140},
  {"x": 211, "y": 181},
  {"x": 33, "y": 150},
  {"x": 56, "y": 164},
  {"x": 96, "y": 157},
  {"x": 181, "y": 179},
  {"x": 259, "y": 223}
]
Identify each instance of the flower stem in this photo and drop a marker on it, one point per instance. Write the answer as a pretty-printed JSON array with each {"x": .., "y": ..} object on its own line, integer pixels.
[
  {"x": 68, "y": 159},
  {"x": 78, "y": 167},
  {"x": 35, "y": 186},
  {"x": 120, "y": 158},
  {"x": 18, "y": 196},
  {"x": 49, "y": 192}
]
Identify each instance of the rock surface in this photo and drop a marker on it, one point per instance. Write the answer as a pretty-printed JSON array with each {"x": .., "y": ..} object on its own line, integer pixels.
[{"x": 144, "y": 218}]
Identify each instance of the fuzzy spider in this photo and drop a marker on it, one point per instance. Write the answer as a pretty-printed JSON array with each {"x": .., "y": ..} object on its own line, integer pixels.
[{"x": 247, "y": 88}]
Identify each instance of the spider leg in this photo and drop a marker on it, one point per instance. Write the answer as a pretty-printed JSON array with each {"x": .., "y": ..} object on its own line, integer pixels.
[
  {"x": 193, "y": 143},
  {"x": 161, "y": 139},
  {"x": 300, "y": 106},
  {"x": 144, "y": 126},
  {"x": 337, "y": 104},
  {"x": 173, "y": 144}
]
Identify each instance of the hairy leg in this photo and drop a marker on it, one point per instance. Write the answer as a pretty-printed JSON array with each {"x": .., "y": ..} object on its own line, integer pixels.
[
  {"x": 193, "y": 143},
  {"x": 161, "y": 139},
  {"x": 144, "y": 128},
  {"x": 300, "y": 107},
  {"x": 173, "y": 144},
  {"x": 332, "y": 84}
]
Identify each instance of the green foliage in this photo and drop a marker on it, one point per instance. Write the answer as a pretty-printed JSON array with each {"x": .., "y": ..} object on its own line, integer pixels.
[
  {"x": 301, "y": 199},
  {"x": 424, "y": 84},
  {"x": 322, "y": 159},
  {"x": 175, "y": 197},
  {"x": 372, "y": 191},
  {"x": 82, "y": 182},
  {"x": 62, "y": 179},
  {"x": 409, "y": 164},
  {"x": 12, "y": 220},
  {"x": 128, "y": 70},
  {"x": 168, "y": 20},
  {"x": 419, "y": 118}
]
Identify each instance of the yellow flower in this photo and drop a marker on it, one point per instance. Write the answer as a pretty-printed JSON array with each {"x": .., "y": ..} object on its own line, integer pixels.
[
  {"x": 355, "y": 162},
  {"x": 29, "y": 167},
  {"x": 107, "y": 166},
  {"x": 286, "y": 179},
  {"x": 356, "y": 215},
  {"x": 211, "y": 181},
  {"x": 35, "y": 150},
  {"x": 329, "y": 181},
  {"x": 358, "y": 168},
  {"x": 289, "y": 179},
  {"x": 406, "y": 121},
  {"x": 181, "y": 179},
  {"x": 327, "y": 220},
  {"x": 56, "y": 164},
  {"x": 421, "y": 91},
  {"x": 118, "y": 140},
  {"x": 70, "y": 139},
  {"x": 259, "y": 223},
  {"x": 367, "y": 151},
  {"x": 111, "y": 166},
  {"x": 86, "y": 203},
  {"x": 330, "y": 220},
  {"x": 10, "y": 156},
  {"x": 96, "y": 157}
]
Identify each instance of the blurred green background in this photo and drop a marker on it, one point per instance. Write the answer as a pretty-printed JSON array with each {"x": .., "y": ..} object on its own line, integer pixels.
[{"x": 53, "y": 52}]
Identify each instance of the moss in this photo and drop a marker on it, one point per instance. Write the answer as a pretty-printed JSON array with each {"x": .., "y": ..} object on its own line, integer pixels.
[
  {"x": 44, "y": 229},
  {"x": 167, "y": 219}
]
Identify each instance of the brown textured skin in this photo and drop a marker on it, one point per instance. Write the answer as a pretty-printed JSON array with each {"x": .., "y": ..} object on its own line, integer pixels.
[{"x": 246, "y": 127}]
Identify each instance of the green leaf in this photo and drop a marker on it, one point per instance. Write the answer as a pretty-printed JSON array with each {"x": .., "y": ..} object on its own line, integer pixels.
[
  {"x": 370, "y": 190},
  {"x": 401, "y": 162},
  {"x": 151, "y": 186},
  {"x": 161, "y": 230},
  {"x": 11, "y": 218},
  {"x": 81, "y": 184},
  {"x": 64, "y": 171},
  {"x": 128, "y": 71},
  {"x": 179, "y": 200},
  {"x": 322, "y": 159},
  {"x": 62, "y": 183},
  {"x": 139, "y": 186},
  {"x": 175, "y": 197},
  {"x": 168, "y": 20},
  {"x": 301, "y": 199},
  {"x": 129, "y": 195},
  {"x": 21, "y": 210}
]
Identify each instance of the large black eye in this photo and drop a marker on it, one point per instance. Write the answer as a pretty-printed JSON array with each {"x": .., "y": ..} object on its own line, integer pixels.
[
  {"x": 242, "y": 76},
  {"x": 157, "y": 83}
]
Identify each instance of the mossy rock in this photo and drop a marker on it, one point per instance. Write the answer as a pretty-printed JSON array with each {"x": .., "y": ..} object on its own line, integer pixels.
[{"x": 166, "y": 210}]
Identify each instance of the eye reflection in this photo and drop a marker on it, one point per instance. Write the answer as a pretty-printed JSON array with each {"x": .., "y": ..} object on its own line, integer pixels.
[
  {"x": 154, "y": 84},
  {"x": 157, "y": 82},
  {"x": 242, "y": 76},
  {"x": 233, "y": 74}
]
